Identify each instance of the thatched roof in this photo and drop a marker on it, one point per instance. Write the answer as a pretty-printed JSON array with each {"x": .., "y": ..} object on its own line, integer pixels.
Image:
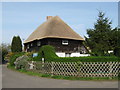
[{"x": 53, "y": 28}]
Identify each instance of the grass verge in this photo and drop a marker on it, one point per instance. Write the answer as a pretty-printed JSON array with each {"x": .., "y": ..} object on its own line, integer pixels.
[{"x": 62, "y": 77}]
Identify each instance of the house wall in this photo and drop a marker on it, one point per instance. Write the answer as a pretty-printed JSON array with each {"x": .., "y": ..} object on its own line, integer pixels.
[
  {"x": 35, "y": 47},
  {"x": 62, "y": 54},
  {"x": 72, "y": 47}
]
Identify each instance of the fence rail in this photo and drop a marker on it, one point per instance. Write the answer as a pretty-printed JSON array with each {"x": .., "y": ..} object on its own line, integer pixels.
[{"x": 79, "y": 69}]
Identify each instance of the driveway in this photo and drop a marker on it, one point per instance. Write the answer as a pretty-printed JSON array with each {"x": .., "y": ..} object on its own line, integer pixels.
[{"x": 13, "y": 79}]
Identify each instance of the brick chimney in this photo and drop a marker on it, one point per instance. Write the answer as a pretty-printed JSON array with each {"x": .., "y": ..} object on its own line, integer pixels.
[{"x": 49, "y": 17}]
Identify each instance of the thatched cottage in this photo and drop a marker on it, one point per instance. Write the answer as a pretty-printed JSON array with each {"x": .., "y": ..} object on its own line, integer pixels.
[{"x": 57, "y": 33}]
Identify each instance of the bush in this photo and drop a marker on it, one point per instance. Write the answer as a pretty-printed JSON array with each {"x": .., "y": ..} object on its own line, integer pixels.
[
  {"x": 21, "y": 62},
  {"x": 8, "y": 56},
  {"x": 38, "y": 58},
  {"x": 14, "y": 57},
  {"x": 29, "y": 54},
  {"x": 47, "y": 52}
]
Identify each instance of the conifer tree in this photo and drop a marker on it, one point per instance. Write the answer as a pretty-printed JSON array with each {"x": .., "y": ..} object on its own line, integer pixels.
[
  {"x": 16, "y": 45},
  {"x": 99, "y": 37}
]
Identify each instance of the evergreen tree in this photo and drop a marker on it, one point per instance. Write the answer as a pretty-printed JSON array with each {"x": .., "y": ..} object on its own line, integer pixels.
[
  {"x": 115, "y": 38},
  {"x": 19, "y": 44},
  {"x": 13, "y": 44},
  {"x": 99, "y": 37},
  {"x": 16, "y": 45},
  {"x": 115, "y": 41}
]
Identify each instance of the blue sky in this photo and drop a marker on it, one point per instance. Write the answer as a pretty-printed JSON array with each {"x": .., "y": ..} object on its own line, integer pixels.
[{"x": 22, "y": 18}]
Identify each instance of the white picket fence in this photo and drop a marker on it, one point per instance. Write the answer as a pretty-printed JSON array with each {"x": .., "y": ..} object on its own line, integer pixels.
[{"x": 79, "y": 69}]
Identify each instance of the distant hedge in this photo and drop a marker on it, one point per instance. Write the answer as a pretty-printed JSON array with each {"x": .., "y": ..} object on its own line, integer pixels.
[{"x": 48, "y": 52}]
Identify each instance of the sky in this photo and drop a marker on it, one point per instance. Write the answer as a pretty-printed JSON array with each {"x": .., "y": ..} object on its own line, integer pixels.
[{"x": 22, "y": 18}]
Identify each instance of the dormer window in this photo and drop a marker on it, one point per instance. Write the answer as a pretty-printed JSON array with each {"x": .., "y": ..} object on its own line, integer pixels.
[
  {"x": 64, "y": 42},
  {"x": 38, "y": 43}
]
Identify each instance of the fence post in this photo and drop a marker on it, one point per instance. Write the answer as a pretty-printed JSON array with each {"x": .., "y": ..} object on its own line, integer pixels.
[
  {"x": 110, "y": 70},
  {"x": 42, "y": 62},
  {"x": 52, "y": 68},
  {"x": 79, "y": 66}
]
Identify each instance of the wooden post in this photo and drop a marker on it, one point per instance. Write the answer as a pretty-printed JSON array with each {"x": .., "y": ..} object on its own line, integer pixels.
[
  {"x": 79, "y": 71},
  {"x": 110, "y": 70},
  {"x": 42, "y": 62},
  {"x": 52, "y": 68}
]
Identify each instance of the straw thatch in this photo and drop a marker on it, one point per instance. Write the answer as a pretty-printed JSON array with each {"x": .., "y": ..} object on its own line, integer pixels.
[{"x": 53, "y": 28}]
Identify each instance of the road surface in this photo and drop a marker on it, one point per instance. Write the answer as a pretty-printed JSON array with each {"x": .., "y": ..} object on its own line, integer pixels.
[{"x": 13, "y": 79}]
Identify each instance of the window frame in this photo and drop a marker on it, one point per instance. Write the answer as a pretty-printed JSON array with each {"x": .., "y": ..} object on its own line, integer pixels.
[
  {"x": 28, "y": 46},
  {"x": 31, "y": 44},
  {"x": 65, "y": 42},
  {"x": 39, "y": 43}
]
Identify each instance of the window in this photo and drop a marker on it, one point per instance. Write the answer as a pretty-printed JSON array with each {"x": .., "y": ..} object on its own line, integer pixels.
[
  {"x": 67, "y": 54},
  {"x": 31, "y": 44},
  {"x": 64, "y": 42},
  {"x": 38, "y": 43},
  {"x": 82, "y": 50},
  {"x": 28, "y": 46}
]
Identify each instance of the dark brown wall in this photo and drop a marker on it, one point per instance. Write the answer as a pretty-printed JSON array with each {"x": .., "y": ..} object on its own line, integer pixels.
[
  {"x": 35, "y": 47},
  {"x": 73, "y": 45}
]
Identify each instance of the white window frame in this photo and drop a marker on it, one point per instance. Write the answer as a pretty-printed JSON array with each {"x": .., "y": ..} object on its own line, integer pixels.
[
  {"x": 64, "y": 42},
  {"x": 38, "y": 43}
]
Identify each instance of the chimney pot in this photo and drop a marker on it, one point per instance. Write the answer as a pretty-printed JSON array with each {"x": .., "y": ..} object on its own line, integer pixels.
[{"x": 49, "y": 17}]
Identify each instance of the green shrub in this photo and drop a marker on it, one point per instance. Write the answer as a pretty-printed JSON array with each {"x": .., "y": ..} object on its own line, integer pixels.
[
  {"x": 30, "y": 59},
  {"x": 21, "y": 62},
  {"x": 29, "y": 54},
  {"x": 38, "y": 66},
  {"x": 14, "y": 57},
  {"x": 8, "y": 56},
  {"x": 47, "y": 52},
  {"x": 38, "y": 58}
]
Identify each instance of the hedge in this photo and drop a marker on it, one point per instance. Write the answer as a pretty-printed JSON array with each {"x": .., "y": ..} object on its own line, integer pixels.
[
  {"x": 48, "y": 52},
  {"x": 86, "y": 59}
]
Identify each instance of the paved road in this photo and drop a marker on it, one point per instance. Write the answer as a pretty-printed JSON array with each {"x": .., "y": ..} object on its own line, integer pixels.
[{"x": 13, "y": 79}]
